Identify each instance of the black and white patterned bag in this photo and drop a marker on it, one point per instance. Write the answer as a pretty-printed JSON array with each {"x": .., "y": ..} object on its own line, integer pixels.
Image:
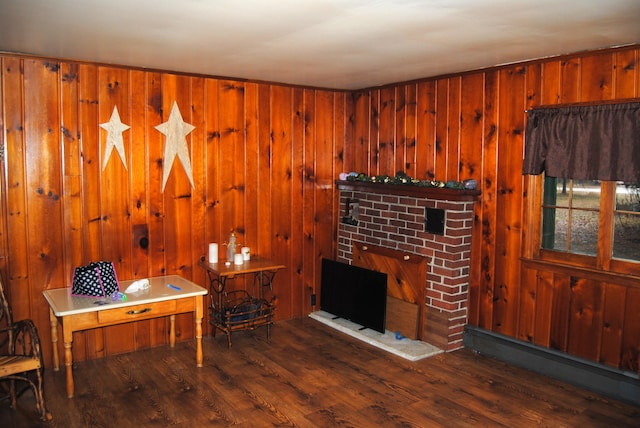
[{"x": 97, "y": 279}]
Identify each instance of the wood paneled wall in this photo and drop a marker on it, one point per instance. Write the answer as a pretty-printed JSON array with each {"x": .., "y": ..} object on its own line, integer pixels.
[
  {"x": 472, "y": 126},
  {"x": 264, "y": 159}
]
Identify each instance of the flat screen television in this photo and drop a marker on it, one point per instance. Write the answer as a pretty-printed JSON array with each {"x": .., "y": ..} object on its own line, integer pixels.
[{"x": 354, "y": 293}]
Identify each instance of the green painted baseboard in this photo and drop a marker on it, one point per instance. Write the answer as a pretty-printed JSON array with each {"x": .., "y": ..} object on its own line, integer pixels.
[{"x": 618, "y": 384}]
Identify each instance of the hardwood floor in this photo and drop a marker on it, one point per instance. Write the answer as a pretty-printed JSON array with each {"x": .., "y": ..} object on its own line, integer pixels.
[{"x": 311, "y": 376}]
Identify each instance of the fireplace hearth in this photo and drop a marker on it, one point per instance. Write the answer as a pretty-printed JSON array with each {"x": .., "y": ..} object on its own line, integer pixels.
[
  {"x": 396, "y": 217},
  {"x": 412, "y": 350}
]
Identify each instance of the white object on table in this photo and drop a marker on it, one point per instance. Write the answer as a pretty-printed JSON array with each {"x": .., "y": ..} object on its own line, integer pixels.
[{"x": 213, "y": 253}]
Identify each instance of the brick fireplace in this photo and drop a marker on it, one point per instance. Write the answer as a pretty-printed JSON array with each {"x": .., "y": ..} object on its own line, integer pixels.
[{"x": 427, "y": 221}]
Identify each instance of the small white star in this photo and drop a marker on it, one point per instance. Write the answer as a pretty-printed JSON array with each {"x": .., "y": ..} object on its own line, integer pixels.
[
  {"x": 114, "y": 128},
  {"x": 176, "y": 131}
]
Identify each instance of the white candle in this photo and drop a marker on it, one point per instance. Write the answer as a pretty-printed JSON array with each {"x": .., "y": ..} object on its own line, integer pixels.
[
  {"x": 246, "y": 254},
  {"x": 237, "y": 259},
  {"x": 213, "y": 253}
]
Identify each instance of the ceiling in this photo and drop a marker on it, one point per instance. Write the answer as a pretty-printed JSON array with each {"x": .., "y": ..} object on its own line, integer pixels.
[{"x": 339, "y": 44}]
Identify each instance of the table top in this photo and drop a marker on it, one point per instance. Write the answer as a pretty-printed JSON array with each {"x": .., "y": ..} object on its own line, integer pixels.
[
  {"x": 160, "y": 288},
  {"x": 256, "y": 264}
]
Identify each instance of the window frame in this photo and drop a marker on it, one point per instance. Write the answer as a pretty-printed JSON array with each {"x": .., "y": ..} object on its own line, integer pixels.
[{"x": 603, "y": 262}]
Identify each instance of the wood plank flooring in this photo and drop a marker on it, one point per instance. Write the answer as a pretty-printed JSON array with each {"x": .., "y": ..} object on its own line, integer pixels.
[{"x": 309, "y": 375}]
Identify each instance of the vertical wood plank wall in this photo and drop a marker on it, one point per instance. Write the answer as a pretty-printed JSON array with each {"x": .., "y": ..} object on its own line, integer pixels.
[
  {"x": 472, "y": 126},
  {"x": 264, "y": 160}
]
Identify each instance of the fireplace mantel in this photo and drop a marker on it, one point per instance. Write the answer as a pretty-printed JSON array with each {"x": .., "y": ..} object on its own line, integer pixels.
[{"x": 437, "y": 193}]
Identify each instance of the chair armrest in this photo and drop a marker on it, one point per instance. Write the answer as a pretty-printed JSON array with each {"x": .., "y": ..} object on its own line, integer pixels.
[{"x": 26, "y": 340}]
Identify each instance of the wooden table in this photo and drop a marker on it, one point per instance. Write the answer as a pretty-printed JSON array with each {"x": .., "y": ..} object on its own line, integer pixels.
[
  {"x": 263, "y": 269},
  {"x": 259, "y": 313},
  {"x": 166, "y": 296}
]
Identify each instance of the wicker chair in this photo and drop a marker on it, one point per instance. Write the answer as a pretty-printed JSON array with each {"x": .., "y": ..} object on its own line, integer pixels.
[{"x": 21, "y": 364}]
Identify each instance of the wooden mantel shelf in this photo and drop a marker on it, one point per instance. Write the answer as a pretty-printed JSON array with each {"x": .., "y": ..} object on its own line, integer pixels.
[{"x": 440, "y": 193}]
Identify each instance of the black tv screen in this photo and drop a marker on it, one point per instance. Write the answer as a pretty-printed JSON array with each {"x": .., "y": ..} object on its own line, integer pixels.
[{"x": 354, "y": 293}]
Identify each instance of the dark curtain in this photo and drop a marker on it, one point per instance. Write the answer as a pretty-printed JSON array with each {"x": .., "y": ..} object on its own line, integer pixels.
[{"x": 596, "y": 142}]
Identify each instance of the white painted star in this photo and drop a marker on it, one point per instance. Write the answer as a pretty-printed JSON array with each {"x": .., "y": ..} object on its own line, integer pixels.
[
  {"x": 114, "y": 128},
  {"x": 176, "y": 131}
]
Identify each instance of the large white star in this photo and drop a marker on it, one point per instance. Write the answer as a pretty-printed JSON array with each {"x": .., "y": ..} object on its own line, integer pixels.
[
  {"x": 176, "y": 131},
  {"x": 114, "y": 128}
]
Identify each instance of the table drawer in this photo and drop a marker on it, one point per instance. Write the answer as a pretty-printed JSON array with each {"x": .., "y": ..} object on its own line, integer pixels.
[{"x": 132, "y": 313}]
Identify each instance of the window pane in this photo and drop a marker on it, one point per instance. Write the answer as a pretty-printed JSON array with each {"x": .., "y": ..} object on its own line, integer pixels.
[
  {"x": 570, "y": 215},
  {"x": 626, "y": 226},
  {"x": 584, "y": 232},
  {"x": 586, "y": 194},
  {"x": 628, "y": 197},
  {"x": 626, "y": 237},
  {"x": 556, "y": 191},
  {"x": 554, "y": 229}
]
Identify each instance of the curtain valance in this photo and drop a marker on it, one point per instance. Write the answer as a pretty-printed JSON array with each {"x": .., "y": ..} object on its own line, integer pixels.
[{"x": 595, "y": 142}]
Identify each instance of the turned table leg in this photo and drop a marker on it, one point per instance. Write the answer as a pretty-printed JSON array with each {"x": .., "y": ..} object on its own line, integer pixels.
[
  {"x": 67, "y": 337},
  {"x": 54, "y": 340},
  {"x": 172, "y": 331},
  {"x": 198, "y": 315}
]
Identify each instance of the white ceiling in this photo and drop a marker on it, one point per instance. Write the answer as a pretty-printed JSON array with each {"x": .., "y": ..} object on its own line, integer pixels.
[{"x": 340, "y": 44}]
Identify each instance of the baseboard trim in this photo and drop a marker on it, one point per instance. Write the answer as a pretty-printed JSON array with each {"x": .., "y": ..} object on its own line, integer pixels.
[{"x": 614, "y": 383}]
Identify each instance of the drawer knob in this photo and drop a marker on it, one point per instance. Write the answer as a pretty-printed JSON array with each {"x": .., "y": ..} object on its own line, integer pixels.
[{"x": 138, "y": 312}]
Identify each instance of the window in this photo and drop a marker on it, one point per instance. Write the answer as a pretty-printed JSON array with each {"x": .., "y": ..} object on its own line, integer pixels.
[
  {"x": 596, "y": 222},
  {"x": 589, "y": 217}
]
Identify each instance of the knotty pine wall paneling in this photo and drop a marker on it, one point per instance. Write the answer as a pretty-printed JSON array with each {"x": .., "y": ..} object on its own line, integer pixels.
[
  {"x": 388, "y": 146},
  {"x": 484, "y": 267},
  {"x": 629, "y": 354},
  {"x": 83, "y": 211},
  {"x": 509, "y": 205},
  {"x": 529, "y": 301},
  {"x": 13, "y": 212},
  {"x": 264, "y": 159},
  {"x": 357, "y": 153},
  {"x": 297, "y": 182},
  {"x": 303, "y": 238},
  {"x": 472, "y": 126},
  {"x": 400, "y": 131},
  {"x": 281, "y": 195},
  {"x": 42, "y": 182},
  {"x": 265, "y": 213},
  {"x": 442, "y": 127},
  {"x": 181, "y": 242},
  {"x": 425, "y": 132},
  {"x": 153, "y": 160},
  {"x": 479, "y": 128},
  {"x": 409, "y": 115},
  {"x": 210, "y": 194},
  {"x": 114, "y": 192},
  {"x": 145, "y": 333},
  {"x": 251, "y": 219},
  {"x": 373, "y": 137}
]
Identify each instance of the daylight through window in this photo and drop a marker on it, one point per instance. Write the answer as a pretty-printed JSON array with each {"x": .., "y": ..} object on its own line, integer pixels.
[{"x": 600, "y": 219}]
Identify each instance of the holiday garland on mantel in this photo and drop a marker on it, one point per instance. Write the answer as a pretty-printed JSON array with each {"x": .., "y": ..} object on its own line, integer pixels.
[{"x": 403, "y": 179}]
